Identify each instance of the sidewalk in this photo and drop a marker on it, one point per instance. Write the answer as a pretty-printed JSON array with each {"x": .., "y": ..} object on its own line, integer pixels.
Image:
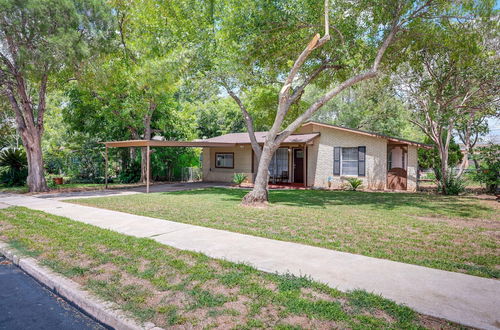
[{"x": 460, "y": 298}]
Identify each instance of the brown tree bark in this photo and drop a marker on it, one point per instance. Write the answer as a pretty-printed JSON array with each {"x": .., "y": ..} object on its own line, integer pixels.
[{"x": 28, "y": 128}]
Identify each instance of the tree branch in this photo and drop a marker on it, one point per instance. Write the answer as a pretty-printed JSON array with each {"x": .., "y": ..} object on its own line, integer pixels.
[{"x": 248, "y": 122}]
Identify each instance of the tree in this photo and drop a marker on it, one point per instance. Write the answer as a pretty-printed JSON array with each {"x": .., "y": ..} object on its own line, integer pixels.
[
  {"x": 39, "y": 41},
  {"x": 488, "y": 171},
  {"x": 452, "y": 83},
  {"x": 372, "y": 106},
  {"x": 430, "y": 158},
  {"x": 362, "y": 32}
]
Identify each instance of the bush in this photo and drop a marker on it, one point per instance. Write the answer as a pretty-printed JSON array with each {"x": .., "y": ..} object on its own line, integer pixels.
[
  {"x": 354, "y": 183},
  {"x": 452, "y": 185},
  {"x": 488, "y": 172},
  {"x": 15, "y": 167},
  {"x": 239, "y": 178}
]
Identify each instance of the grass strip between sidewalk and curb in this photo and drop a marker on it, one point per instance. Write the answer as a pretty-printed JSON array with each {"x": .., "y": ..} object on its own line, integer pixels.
[{"x": 169, "y": 287}]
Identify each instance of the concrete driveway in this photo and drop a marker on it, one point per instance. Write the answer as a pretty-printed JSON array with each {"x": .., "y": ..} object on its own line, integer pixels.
[{"x": 179, "y": 186}]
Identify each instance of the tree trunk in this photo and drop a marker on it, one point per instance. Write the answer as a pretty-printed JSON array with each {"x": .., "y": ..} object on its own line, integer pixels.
[
  {"x": 36, "y": 178},
  {"x": 259, "y": 196},
  {"x": 444, "y": 169},
  {"x": 31, "y": 132}
]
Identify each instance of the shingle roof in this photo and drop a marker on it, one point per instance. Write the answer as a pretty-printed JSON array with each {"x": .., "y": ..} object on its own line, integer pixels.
[
  {"x": 243, "y": 138},
  {"x": 387, "y": 137}
]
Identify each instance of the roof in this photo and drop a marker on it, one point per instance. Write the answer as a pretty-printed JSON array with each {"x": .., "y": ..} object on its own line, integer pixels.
[
  {"x": 244, "y": 138},
  {"x": 156, "y": 143},
  {"x": 373, "y": 134},
  {"x": 232, "y": 139}
]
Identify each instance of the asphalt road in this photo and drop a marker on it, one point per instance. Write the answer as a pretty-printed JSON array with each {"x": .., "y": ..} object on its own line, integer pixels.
[{"x": 26, "y": 304}]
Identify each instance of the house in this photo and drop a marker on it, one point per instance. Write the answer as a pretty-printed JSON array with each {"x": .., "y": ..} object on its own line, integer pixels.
[{"x": 320, "y": 156}]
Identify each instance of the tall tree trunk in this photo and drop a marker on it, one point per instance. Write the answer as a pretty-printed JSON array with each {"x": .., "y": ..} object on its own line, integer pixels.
[
  {"x": 30, "y": 130},
  {"x": 258, "y": 196},
  {"x": 36, "y": 178}
]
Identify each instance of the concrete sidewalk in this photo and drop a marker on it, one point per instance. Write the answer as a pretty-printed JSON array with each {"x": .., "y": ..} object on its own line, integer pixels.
[{"x": 461, "y": 298}]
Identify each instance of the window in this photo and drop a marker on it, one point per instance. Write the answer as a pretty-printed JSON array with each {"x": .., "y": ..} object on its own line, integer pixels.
[
  {"x": 349, "y": 161},
  {"x": 278, "y": 168},
  {"x": 224, "y": 160}
]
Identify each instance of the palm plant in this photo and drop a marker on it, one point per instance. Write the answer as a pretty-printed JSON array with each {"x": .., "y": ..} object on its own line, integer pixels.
[{"x": 15, "y": 163}]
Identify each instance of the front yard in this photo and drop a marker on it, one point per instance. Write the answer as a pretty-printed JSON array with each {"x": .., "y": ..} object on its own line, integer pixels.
[
  {"x": 460, "y": 234},
  {"x": 170, "y": 287}
]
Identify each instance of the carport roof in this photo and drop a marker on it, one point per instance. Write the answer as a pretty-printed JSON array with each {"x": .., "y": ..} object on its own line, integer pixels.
[
  {"x": 243, "y": 138},
  {"x": 227, "y": 140},
  {"x": 156, "y": 143}
]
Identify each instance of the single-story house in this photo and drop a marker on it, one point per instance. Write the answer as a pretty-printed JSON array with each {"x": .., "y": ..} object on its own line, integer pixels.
[{"x": 320, "y": 156}]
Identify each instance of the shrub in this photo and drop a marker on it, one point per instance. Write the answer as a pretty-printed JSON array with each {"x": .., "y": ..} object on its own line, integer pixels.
[
  {"x": 354, "y": 183},
  {"x": 239, "y": 178},
  {"x": 451, "y": 185},
  {"x": 15, "y": 163},
  {"x": 488, "y": 172}
]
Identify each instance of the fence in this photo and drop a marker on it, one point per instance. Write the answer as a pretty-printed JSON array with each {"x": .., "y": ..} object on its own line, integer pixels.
[{"x": 191, "y": 174}]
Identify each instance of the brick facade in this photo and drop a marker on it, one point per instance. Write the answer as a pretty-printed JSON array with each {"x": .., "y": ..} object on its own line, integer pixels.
[{"x": 320, "y": 160}]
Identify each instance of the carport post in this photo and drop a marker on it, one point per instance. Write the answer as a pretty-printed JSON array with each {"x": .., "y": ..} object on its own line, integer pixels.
[
  {"x": 106, "y": 168},
  {"x": 147, "y": 169}
]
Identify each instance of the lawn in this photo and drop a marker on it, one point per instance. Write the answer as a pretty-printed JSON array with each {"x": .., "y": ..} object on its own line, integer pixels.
[
  {"x": 68, "y": 187},
  {"x": 170, "y": 287},
  {"x": 460, "y": 234}
]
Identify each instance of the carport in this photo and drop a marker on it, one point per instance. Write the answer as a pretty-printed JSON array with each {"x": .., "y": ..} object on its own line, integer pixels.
[{"x": 148, "y": 144}]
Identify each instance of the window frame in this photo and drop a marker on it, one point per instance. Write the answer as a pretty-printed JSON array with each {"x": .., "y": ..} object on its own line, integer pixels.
[
  {"x": 224, "y": 153},
  {"x": 354, "y": 161}
]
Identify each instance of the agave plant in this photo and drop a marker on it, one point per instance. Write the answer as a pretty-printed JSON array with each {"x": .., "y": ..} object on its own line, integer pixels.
[
  {"x": 354, "y": 183},
  {"x": 15, "y": 162},
  {"x": 239, "y": 178}
]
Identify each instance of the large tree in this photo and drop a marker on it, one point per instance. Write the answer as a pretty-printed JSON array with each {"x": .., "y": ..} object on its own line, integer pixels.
[
  {"x": 452, "y": 83},
  {"x": 263, "y": 34},
  {"x": 40, "y": 41}
]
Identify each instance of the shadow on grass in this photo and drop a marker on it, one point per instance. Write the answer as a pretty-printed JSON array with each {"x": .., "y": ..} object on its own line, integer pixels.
[{"x": 449, "y": 205}]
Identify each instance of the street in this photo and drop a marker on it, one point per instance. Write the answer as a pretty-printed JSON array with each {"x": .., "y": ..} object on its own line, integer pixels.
[{"x": 26, "y": 304}]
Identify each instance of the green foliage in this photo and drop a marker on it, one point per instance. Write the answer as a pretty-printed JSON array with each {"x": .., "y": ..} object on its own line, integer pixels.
[
  {"x": 354, "y": 183},
  {"x": 239, "y": 178},
  {"x": 15, "y": 167},
  {"x": 451, "y": 185},
  {"x": 372, "y": 106},
  {"x": 430, "y": 158},
  {"x": 217, "y": 116},
  {"x": 488, "y": 172}
]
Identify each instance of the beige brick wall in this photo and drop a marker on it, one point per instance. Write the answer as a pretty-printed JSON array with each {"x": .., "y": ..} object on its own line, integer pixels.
[
  {"x": 242, "y": 164},
  {"x": 320, "y": 161}
]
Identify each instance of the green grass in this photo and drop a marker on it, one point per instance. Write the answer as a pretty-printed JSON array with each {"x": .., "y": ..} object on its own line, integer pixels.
[
  {"x": 452, "y": 233},
  {"x": 156, "y": 283},
  {"x": 65, "y": 187}
]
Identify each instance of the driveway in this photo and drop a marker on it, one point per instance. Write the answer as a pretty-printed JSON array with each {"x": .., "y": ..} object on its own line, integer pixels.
[
  {"x": 26, "y": 304},
  {"x": 179, "y": 186}
]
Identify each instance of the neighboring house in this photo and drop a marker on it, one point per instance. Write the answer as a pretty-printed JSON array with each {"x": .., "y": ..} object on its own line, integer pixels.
[{"x": 320, "y": 156}]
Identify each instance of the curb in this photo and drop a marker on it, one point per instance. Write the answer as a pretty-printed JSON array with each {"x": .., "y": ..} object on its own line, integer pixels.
[{"x": 101, "y": 310}]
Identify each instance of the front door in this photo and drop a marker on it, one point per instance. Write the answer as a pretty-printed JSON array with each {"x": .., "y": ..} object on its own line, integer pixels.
[
  {"x": 298, "y": 165},
  {"x": 397, "y": 158}
]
